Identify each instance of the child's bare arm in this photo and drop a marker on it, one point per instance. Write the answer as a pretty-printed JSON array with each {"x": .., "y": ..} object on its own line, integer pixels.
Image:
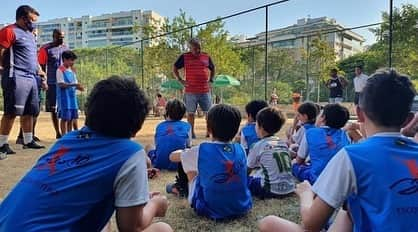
[
  {"x": 137, "y": 218},
  {"x": 314, "y": 211},
  {"x": 63, "y": 85}
]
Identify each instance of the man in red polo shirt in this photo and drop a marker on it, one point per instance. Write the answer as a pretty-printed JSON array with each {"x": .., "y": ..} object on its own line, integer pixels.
[{"x": 199, "y": 70}]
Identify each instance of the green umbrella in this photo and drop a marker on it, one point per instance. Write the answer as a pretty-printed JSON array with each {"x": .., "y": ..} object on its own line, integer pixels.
[
  {"x": 172, "y": 84},
  {"x": 225, "y": 80}
]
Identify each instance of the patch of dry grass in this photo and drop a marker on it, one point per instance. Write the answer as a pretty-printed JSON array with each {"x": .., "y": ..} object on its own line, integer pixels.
[{"x": 180, "y": 216}]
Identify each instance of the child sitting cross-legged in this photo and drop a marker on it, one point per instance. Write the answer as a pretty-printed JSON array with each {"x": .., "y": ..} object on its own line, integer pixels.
[
  {"x": 170, "y": 135},
  {"x": 322, "y": 143},
  {"x": 271, "y": 157},
  {"x": 217, "y": 170},
  {"x": 248, "y": 136},
  {"x": 376, "y": 179},
  {"x": 306, "y": 116}
]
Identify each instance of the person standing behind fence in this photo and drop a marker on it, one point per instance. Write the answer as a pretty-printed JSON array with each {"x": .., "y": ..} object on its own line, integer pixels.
[
  {"x": 199, "y": 70},
  {"x": 50, "y": 58},
  {"x": 336, "y": 86},
  {"x": 359, "y": 82}
]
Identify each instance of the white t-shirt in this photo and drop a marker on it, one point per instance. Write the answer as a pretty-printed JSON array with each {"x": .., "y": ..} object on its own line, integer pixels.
[
  {"x": 60, "y": 76},
  {"x": 360, "y": 82},
  {"x": 338, "y": 180},
  {"x": 131, "y": 183},
  {"x": 298, "y": 135},
  {"x": 271, "y": 155}
]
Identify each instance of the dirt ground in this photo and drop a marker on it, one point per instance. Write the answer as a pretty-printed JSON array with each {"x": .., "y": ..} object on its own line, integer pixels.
[{"x": 180, "y": 216}]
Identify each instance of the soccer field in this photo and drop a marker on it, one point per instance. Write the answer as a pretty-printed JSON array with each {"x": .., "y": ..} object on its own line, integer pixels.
[{"x": 179, "y": 215}]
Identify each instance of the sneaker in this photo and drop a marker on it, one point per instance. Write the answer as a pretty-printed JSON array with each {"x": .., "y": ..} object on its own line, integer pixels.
[
  {"x": 6, "y": 149},
  {"x": 36, "y": 139},
  {"x": 176, "y": 188},
  {"x": 33, "y": 145},
  {"x": 19, "y": 140}
]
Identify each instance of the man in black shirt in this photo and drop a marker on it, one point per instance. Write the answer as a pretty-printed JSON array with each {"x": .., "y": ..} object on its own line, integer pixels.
[{"x": 336, "y": 85}]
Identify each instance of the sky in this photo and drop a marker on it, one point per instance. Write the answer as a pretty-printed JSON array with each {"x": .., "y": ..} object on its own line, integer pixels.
[{"x": 349, "y": 13}]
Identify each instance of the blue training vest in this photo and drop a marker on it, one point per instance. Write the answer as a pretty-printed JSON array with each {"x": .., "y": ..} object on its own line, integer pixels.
[
  {"x": 386, "y": 170},
  {"x": 170, "y": 136},
  {"x": 66, "y": 97},
  {"x": 221, "y": 185},
  {"x": 323, "y": 144},
  {"x": 250, "y": 135},
  {"x": 308, "y": 126},
  {"x": 70, "y": 188}
]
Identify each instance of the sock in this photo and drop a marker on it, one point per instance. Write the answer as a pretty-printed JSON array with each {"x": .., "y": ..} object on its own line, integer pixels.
[
  {"x": 27, "y": 137},
  {"x": 3, "y": 139}
]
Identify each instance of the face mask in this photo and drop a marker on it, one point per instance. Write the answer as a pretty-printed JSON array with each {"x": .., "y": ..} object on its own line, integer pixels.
[
  {"x": 60, "y": 41},
  {"x": 29, "y": 25}
]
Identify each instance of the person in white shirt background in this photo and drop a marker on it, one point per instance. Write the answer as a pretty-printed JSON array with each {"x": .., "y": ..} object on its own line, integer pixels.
[{"x": 360, "y": 81}]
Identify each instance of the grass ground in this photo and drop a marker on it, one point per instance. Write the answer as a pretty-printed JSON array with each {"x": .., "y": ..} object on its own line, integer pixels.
[{"x": 180, "y": 216}]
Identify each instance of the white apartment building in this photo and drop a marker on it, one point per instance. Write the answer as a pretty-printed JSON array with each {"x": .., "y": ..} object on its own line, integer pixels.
[
  {"x": 122, "y": 28},
  {"x": 345, "y": 42}
]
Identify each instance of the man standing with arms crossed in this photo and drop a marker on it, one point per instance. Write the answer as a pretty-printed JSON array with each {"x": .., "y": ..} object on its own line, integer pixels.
[
  {"x": 50, "y": 59},
  {"x": 199, "y": 70},
  {"x": 19, "y": 65}
]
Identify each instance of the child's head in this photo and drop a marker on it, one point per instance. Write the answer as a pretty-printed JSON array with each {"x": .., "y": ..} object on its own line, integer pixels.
[
  {"x": 116, "y": 107},
  {"x": 307, "y": 112},
  {"x": 386, "y": 100},
  {"x": 223, "y": 122},
  {"x": 253, "y": 107},
  {"x": 269, "y": 121},
  {"x": 68, "y": 58},
  {"x": 334, "y": 116},
  {"x": 175, "y": 110}
]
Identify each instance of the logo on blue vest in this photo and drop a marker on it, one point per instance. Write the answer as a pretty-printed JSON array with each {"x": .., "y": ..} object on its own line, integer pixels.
[
  {"x": 407, "y": 185},
  {"x": 57, "y": 160}
]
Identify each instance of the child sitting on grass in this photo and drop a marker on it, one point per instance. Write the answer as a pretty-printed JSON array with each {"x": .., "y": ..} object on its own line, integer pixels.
[
  {"x": 88, "y": 174},
  {"x": 270, "y": 156},
  {"x": 170, "y": 135},
  {"x": 248, "y": 136},
  {"x": 306, "y": 116},
  {"x": 376, "y": 178},
  {"x": 217, "y": 170},
  {"x": 321, "y": 143}
]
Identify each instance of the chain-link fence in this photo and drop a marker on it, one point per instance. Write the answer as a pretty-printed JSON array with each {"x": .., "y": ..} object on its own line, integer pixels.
[{"x": 279, "y": 59}]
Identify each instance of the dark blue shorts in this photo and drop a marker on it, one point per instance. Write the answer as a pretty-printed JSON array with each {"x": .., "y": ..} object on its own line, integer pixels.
[
  {"x": 152, "y": 155},
  {"x": 254, "y": 184},
  {"x": 303, "y": 172},
  {"x": 68, "y": 115},
  {"x": 20, "y": 94}
]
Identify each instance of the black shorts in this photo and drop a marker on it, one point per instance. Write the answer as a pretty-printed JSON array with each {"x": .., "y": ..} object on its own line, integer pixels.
[
  {"x": 20, "y": 95},
  {"x": 356, "y": 98},
  {"x": 51, "y": 98}
]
